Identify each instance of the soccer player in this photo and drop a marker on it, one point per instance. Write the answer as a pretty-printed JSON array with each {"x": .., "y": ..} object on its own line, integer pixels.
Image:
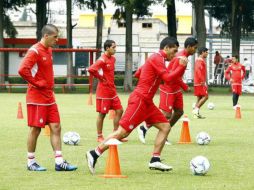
[
  {"x": 200, "y": 87},
  {"x": 106, "y": 95},
  {"x": 37, "y": 69},
  {"x": 141, "y": 106},
  {"x": 171, "y": 96},
  {"x": 235, "y": 74}
]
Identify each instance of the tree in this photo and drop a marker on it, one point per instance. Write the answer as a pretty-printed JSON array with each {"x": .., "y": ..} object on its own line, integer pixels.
[
  {"x": 171, "y": 18},
  {"x": 127, "y": 9},
  {"x": 41, "y": 16},
  {"x": 235, "y": 16},
  {"x": 6, "y": 24}
]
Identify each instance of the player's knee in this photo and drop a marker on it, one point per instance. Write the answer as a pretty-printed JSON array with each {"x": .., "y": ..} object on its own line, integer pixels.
[
  {"x": 179, "y": 113},
  {"x": 35, "y": 131}
]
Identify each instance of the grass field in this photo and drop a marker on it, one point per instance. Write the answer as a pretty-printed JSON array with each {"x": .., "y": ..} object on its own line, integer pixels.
[{"x": 230, "y": 151}]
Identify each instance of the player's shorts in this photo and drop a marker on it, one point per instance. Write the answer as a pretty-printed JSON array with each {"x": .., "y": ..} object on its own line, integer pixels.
[
  {"x": 169, "y": 102},
  {"x": 39, "y": 116},
  {"x": 139, "y": 110},
  {"x": 200, "y": 90},
  {"x": 104, "y": 105},
  {"x": 237, "y": 89}
]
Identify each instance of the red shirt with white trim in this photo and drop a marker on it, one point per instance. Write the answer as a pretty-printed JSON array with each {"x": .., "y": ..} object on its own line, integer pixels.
[
  {"x": 236, "y": 72},
  {"x": 104, "y": 69},
  {"x": 200, "y": 72},
  {"x": 37, "y": 69},
  {"x": 152, "y": 73},
  {"x": 177, "y": 84}
]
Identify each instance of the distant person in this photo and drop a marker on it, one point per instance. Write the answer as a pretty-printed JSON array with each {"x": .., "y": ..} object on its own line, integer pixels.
[
  {"x": 227, "y": 62},
  {"x": 248, "y": 68},
  {"x": 37, "y": 69},
  {"x": 171, "y": 95},
  {"x": 235, "y": 74},
  {"x": 200, "y": 86},
  {"x": 217, "y": 61},
  {"x": 142, "y": 108},
  {"x": 106, "y": 95}
]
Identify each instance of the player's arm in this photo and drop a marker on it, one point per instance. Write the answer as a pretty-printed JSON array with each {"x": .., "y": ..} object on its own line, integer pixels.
[
  {"x": 243, "y": 72},
  {"x": 25, "y": 69},
  {"x": 175, "y": 74},
  {"x": 138, "y": 72},
  {"x": 96, "y": 70},
  {"x": 183, "y": 85},
  {"x": 227, "y": 73}
]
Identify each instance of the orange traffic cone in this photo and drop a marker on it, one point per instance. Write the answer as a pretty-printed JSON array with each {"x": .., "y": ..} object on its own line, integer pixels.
[
  {"x": 47, "y": 131},
  {"x": 185, "y": 133},
  {"x": 20, "y": 113},
  {"x": 238, "y": 112},
  {"x": 90, "y": 100},
  {"x": 112, "y": 114},
  {"x": 112, "y": 169}
]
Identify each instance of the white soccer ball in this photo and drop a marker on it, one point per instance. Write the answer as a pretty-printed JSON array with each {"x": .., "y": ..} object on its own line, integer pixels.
[
  {"x": 203, "y": 138},
  {"x": 71, "y": 138},
  {"x": 199, "y": 165},
  {"x": 210, "y": 106}
]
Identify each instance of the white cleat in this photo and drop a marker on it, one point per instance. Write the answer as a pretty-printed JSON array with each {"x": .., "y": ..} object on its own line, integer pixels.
[
  {"x": 141, "y": 135},
  {"x": 168, "y": 142},
  {"x": 160, "y": 166},
  {"x": 90, "y": 162}
]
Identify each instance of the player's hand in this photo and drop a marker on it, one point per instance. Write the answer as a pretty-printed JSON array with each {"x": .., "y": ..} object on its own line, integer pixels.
[
  {"x": 41, "y": 84},
  {"x": 183, "y": 61}
]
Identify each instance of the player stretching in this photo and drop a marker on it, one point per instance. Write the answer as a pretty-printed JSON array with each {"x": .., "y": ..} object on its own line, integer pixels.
[
  {"x": 141, "y": 106},
  {"x": 171, "y": 96}
]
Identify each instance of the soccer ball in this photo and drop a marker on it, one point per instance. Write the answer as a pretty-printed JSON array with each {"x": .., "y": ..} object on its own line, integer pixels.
[
  {"x": 71, "y": 138},
  {"x": 203, "y": 138},
  {"x": 199, "y": 165},
  {"x": 210, "y": 106}
]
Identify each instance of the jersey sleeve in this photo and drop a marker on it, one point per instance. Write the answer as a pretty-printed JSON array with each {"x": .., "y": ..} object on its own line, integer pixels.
[
  {"x": 138, "y": 73},
  {"x": 243, "y": 72},
  {"x": 227, "y": 73},
  {"x": 25, "y": 70},
  {"x": 97, "y": 69}
]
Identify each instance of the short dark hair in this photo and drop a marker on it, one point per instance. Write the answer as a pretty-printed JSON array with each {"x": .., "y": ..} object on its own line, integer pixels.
[
  {"x": 108, "y": 44},
  {"x": 190, "y": 41},
  {"x": 236, "y": 56},
  {"x": 48, "y": 29},
  {"x": 201, "y": 50},
  {"x": 169, "y": 42},
  {"x": 245, "y": 59}
]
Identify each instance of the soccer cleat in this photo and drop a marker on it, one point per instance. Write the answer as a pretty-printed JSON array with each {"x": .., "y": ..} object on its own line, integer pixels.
[
  {"x": 159, "y": 166},
  {"x": 100, "y": 139},
  {"x": 91, "y": 161},
  {"x": 65, "y": 166},
  {"x": 168, "y": 142},
  {"x": 36, "y": 167},
  {"x": 198, "y": 116},
  {"x": 142, "y": 134}
]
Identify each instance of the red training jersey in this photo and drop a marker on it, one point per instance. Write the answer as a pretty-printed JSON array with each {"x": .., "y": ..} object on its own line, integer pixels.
[
  {"x": 236, "y": 72},
  {"x": 37, "y": 69},
  {"x": 178, "y": 84},
  {"x": 152, "y": 73},
  {"x": 200, "y": 72},
  {"x": 104, "y": 69}
]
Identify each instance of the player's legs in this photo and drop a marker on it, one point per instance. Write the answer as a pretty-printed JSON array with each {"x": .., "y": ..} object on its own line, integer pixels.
[
  {"x": 235, "y": 99},
  {"x": 53, "y": 120},
  {"x": 99, "y": 124},
  {"x": 36, "y": 121},
  {"x": 155, "y": 162},
  {"x": 177, "y": 114},
  {"x": 201, "y": 101}
]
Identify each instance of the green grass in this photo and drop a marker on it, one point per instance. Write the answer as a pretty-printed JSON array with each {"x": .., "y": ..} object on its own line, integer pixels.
[{"x": 230, "y": 151}]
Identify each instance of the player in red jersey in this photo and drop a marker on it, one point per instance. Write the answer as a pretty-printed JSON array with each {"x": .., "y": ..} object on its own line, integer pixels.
[
  {"x": 141, "y": 106},
  {"x": 171, "y": 97},
  {"x": 37, "y": 69},
  {"x": 200, "y": 87},
  {"x": 106, "y": 95},
  {"x": 235, "y": 74}
]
